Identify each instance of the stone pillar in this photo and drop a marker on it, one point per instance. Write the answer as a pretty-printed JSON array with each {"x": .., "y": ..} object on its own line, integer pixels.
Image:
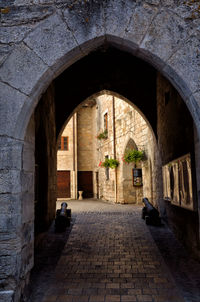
[
  {"x": 197, "y": 162},
  {"x": 17, "y": 213},
  {"x": 10, "y": 216},
  {"x": 75, "y": 152}
]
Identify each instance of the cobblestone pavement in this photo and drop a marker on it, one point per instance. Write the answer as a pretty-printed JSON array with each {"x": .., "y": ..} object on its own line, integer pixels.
[
  {"x": 110, "y": 256},
  {"x": 185, "y": 270}
]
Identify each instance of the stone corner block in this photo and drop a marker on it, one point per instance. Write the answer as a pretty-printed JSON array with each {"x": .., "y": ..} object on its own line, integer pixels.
[
  {"x": 10, "y": 181},
  {"x": 7, "y": 296},
  {"x": 166, "y": 34},
  {"x": 11, "y": 103},
  {"x": 52, "y": 40},
  {"x": 23, "y": 69},
  {"x": 186, "y": 62},
  {"x": 86, "y": 22}
]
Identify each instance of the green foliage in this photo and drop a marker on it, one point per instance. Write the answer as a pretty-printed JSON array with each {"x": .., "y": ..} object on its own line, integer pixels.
[
  {"x": 133, "y": 156},
  {"x": 103, "y": 135},
  {"x": 110, "y": 163}
]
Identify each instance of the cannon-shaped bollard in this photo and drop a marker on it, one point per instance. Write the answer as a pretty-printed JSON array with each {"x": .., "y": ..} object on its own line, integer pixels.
[
  {"x": 63, "y": 217},
  {"x": 150, "y": 214}
]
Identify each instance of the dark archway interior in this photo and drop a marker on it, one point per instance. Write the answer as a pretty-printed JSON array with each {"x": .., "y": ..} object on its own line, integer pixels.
[
  {"x": 107, "y": 69},
  {"x": 120, "y": 72}
]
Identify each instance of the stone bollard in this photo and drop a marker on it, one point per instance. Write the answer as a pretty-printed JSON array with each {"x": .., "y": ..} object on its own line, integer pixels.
[{"x": 80, "y": 193}]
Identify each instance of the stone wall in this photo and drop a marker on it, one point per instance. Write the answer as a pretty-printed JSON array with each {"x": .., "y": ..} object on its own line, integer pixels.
[
  {"x": 175, "y": 139},
  {"x": 129, "y": 124},
  {"x": 86, "y": 130},
  {"x": 46, "y": 161},
  {"x": 18, "y": 219},
  {"x": 65, "y": 157}
]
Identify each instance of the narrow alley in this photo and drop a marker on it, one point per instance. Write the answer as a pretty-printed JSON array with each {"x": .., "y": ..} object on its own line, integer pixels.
[{"x": 110, "y": 255}]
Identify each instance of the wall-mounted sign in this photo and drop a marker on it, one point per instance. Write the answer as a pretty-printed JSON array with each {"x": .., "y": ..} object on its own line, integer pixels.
[
  {"x": 177, "y": 182},
  {"x": 137, "y": 177}
]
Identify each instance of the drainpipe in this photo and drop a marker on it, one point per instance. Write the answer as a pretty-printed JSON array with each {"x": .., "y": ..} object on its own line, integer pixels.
[
  {"x": 75, "y": 156},
  {"x": 114, "y": 146}
]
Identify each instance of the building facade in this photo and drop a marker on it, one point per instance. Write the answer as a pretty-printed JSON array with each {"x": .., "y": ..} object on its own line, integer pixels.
[{"x": 79, "y": 162}]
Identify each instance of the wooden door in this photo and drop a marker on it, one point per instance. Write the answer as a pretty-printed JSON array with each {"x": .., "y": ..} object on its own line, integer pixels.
[
  {"x": 85, "y": 183},
  {"x": 63, "y": 184}
]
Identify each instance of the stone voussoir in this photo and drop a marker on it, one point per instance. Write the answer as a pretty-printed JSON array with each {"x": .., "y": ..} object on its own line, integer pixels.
[{"x": 52, "y": 40}]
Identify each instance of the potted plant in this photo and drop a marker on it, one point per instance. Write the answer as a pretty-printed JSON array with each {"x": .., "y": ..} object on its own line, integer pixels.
[
  {"x": 103, "y": 135},
  {"x": 133, "y": 156},
  {"x": 109, "y": 163}
]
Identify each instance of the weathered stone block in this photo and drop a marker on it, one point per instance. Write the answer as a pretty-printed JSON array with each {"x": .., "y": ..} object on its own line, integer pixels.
[
  {"x": 28, "y": 157},
  {"x": 153, "y": 2},
  {"x": 30, "y": 131},
  {"x": 11, "y": 102},
  {"x": 193, "y": 104},
  {"x": 27, "y": 182},
  {"x": 9, "y": 222},
  {"x": 10, "y": 203},
  {"x": 11, "y": 246},
  {"x": 86, "y": 21},
  {"x": 22, "y": 2},
  {"x": 7, "y": 266},
  {"x": 10, "y": 155},
  {"x": 13, "y": 34},
  {"x": 22, "y": 14},
  {"x": 52, "y": 45},
  {"x": 186, "y": 62},
  {"x": 27, "y": 255},
  {"x": 140, "y": 20},
  {"x": 166, "y": 34},
  {"x": 178, "y": 82},
  {"x": 29, "y": 69},
  {"x": 196, "y": 97},
  {"x": 10, "y": 181},
  {"x": 27, "y": 233},
  {"x": 4, "y": 52},
  {"x": 7, "y": 296},
  {"x": 43, "y": 1},
  {"x": 5, "y": 3},
  {"x": 27, "y": 207}
]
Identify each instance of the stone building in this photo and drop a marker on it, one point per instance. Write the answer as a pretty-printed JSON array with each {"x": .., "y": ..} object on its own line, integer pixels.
[
  {"x": 78, "y": 161},
  {"x": 54, "y": 55}
]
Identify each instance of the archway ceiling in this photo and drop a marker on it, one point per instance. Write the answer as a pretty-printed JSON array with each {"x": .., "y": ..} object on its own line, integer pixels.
[{"x": 107, "y": 69}]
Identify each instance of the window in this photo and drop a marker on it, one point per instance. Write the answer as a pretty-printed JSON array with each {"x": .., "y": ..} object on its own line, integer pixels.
[
  {"x": 107, "y": 170},
  {"x": 105, "y": 121},
  {"x": 63, "y": 143}
]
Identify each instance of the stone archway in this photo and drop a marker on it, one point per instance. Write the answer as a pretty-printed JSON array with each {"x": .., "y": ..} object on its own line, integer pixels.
[
  {"x": 43, "y": 49},
  {"x": 130, "y": 195}
]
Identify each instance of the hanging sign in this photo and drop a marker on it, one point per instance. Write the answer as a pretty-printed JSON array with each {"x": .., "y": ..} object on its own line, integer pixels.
[{"x": 137, "y": 177}]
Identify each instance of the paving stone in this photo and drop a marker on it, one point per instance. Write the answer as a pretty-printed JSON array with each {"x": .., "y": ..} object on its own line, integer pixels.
[
  {"x": 112, "y": 298},
  {"x": 98, "y": 222},
  {"x": 144, "y": 298},
  {"x": 128, "y": 298},
  {"x": 96, "y": 299}
]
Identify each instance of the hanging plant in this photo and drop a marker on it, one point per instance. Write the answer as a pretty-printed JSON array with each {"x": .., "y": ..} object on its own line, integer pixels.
[
  {"x": 103, "y": 135},
  {"x": 109, "y": 163},
  {"x": 133, "y": 156}
]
